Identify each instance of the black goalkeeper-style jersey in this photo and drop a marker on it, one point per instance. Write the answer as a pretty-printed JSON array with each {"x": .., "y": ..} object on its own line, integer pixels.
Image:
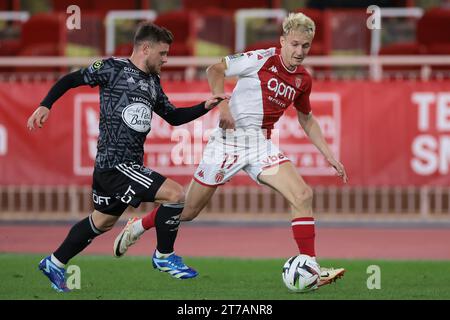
[{"x": 128, "y": 98}]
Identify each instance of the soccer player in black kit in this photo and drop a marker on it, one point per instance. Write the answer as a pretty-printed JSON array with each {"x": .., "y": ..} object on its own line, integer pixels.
[{"x": 130, "y": 91}]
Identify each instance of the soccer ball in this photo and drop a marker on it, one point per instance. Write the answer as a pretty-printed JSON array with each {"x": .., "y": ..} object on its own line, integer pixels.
[{"x": 301, "y": 273}]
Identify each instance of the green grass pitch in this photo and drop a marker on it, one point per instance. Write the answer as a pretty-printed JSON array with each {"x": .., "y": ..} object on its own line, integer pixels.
[{"x": 104, "y": 277}]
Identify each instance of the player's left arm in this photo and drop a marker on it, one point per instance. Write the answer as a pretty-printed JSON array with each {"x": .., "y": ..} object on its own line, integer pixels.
[{"x": 313, "y": 131}]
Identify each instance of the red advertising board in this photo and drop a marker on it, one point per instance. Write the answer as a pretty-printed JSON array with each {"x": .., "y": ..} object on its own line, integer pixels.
[{"x": 388, "y": 133}]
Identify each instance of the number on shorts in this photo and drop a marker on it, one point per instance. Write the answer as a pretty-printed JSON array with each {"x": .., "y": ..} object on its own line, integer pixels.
[{"x": 235, "y": 159}]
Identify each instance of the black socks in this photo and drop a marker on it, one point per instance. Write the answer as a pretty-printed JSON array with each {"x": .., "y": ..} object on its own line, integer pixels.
[
  {"x": 79, "y": 237},
  {"x": 167, "y": 221}
]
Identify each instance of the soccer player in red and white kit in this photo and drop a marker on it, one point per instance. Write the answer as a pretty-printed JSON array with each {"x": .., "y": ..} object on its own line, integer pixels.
[{"x": 269, "y": 81}]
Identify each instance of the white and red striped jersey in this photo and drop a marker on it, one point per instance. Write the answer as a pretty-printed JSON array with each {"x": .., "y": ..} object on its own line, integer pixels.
[{"x": 265, "y": 88}]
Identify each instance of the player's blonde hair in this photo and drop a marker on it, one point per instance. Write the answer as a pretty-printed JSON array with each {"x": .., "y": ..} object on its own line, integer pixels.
[{"x": 298, "y": 22}]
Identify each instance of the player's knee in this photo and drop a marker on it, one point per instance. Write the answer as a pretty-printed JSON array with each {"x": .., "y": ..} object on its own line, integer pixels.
[
  {"x": 105, "y": 225},
  {"x": 303, "y": 197},
  {"x": 176, "y": 195}
]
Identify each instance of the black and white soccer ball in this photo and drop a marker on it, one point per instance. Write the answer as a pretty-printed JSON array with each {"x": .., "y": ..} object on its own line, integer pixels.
[{"x": 301, "y": 273}]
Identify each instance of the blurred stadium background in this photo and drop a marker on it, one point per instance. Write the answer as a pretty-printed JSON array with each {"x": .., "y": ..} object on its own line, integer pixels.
[{"x": 382, "y": 97}]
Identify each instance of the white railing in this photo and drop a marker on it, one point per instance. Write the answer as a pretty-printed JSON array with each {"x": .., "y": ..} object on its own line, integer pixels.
[
  {"x": 424, "y": 202},
  {"x": 374, "y": 63},
  {"x": 375, "y": 40},
  {"x": 114, "y": 15},
  {"x": 14, "y": 16}
]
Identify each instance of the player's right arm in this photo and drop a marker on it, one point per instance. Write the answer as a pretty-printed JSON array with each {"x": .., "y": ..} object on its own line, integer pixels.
[
  {"x": 40, "y": 115},
  {"x": 91, "y": 75},
  {"x": 216, "y": 80}
]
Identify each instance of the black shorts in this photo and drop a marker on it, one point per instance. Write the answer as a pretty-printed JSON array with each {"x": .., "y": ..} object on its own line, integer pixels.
[{"x": 115, "y": 189}]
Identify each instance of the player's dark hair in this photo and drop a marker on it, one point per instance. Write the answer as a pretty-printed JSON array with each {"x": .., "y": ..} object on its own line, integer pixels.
[{"x": 148, "y": 31}]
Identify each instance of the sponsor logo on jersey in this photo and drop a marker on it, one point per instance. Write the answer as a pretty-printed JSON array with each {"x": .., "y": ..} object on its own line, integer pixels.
[
  {"x": 273, "y": 159},
  {"x": 273, "y": 69},
  {"x": 281, "y": 89},
  {"x": 235, "y": 56},
  {"x": 140, "y": 99},
  {"x": 268, "y": 53},
  {"x": 137, "y": 116},
  {"x": 96, "y": 66},
  {"x": 100, "y": 199},
  {"x": 130, "y": 70}
]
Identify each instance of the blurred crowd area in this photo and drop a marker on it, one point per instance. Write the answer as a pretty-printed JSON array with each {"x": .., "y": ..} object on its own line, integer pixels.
[{"x": 211, "y": 28}]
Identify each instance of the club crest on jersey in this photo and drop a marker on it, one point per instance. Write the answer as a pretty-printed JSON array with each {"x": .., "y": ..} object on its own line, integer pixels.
[
  {"x": 219, "y": 176},
  {"x": 298, "y": 82},
  {"x": 143, "y": 85},
  {"x": 137, "y": 116}
]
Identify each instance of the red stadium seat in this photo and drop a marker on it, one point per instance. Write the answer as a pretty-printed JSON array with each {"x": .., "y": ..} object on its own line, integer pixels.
[
  {"x": 247, "y": 4},
  {"x": 431, "y": 38},
  {"x": 201, "y": 4},
  {"x": 183, "y": 25},
  {"x": 231, "y": 5},
  {"x": 124, "y": 50},
  {"x": 43, "y": 35},
  {"x": 322, "y": 38},
  {"x": 434, "y": 27}
]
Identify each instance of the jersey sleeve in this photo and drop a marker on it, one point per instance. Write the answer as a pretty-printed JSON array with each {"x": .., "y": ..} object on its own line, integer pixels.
[
  {"x": 244, "y": 64},
  {"x": 163, "y": 106},
  {"x": 302, "y": 103},
  {"x": 99, "y": 73}
]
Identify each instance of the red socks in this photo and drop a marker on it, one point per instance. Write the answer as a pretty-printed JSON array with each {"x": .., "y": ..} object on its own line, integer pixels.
[
  {"x": 304, "y": 235},
  {"x": 149, "y": 220}
]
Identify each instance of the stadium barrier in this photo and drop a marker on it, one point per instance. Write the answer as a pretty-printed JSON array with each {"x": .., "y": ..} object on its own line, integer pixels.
[{"x": 71, "y": 202}]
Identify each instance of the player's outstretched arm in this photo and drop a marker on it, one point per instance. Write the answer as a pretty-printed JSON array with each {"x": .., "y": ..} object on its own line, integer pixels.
[
  {"x": 40, "y": 115},
  {"x": 178, "y": 116},
  {"x": 312, "y": 129}
]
